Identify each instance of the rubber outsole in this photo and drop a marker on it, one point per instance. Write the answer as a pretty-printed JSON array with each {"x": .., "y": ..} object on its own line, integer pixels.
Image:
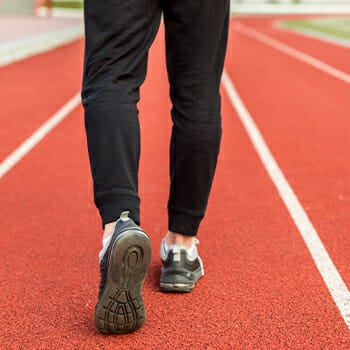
[
  {"x": 179, "y": 287},
  {"x": 176, "y": 287},
  {"x": 120, "y": 308}
]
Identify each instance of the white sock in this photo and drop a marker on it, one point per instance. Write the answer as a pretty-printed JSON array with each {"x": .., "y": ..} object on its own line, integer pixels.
[
  {"x": 191, "y": 251},
  {"x": 124, "y": 216},
  {"x": 105, "y": 244}
]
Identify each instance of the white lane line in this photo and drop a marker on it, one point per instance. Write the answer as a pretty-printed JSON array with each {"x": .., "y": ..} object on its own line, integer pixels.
[
  {"x": 38, "y": 135},
  {"x": 324, "y": 264},
  {"x": 290, "y": 51}
]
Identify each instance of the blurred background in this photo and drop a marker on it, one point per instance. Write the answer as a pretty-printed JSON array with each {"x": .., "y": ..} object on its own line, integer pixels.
[
  {"x": 71, "y": 7},
  {"x": 41, "y": 7},
  {"x": 290, "y": 6}
]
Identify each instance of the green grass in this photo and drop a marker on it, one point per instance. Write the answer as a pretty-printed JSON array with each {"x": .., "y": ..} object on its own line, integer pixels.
[
  {"x": 69, "y": 4},
  {"x": 339, "y": 28}
]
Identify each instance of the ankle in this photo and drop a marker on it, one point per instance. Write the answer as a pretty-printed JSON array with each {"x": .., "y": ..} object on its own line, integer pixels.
[
  {"x": 109, "y": 229},
  {"x": 178, "y": 238}
]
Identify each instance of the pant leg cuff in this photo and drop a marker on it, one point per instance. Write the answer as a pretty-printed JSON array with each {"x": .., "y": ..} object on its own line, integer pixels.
[
  {"x": 186, "y": 224},
  {"x": 111, "y": 207}
]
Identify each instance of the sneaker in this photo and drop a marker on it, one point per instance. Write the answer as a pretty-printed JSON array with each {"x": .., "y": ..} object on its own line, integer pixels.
[
  {"x": 181, "y": 268},
  {"x": 123, "y": 266}
]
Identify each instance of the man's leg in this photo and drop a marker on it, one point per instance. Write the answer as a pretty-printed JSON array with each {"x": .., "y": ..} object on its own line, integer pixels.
[
  {"x": 196, "y": 38},
  {"x": 118, "y": 36}
]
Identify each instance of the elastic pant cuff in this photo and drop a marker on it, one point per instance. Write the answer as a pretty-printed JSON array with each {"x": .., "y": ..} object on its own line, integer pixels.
[
  {"x": 110, "y": 208},
  {"x": 183, "y": 223}
]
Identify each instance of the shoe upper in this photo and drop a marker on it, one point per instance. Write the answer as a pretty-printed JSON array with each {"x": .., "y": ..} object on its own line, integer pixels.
[
  {"x": 192, "y": 253},
  {"x": 179, "y": 265}
]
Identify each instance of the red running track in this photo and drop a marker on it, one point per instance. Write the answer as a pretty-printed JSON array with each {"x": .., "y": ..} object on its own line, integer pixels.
[{"x": 261, "y": 289}]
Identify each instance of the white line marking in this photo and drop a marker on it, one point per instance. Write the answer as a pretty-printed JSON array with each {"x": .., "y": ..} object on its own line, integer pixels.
[
  {"x": 38, "y": 135},
  {"x": 324, "y": 264},
  {"x": 290, "y": 51}
]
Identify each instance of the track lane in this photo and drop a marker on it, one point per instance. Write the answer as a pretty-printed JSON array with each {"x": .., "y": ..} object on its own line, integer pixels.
[
  {"x": 308, "y": 134},
  {"x": 332, "y": 54},
  {"x": 32, "y": 91},
  {"x": 261, "y": 291}
]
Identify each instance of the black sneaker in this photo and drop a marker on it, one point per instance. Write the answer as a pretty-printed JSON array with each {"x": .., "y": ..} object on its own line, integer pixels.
[
  {"x": 123, "y": 268},
  {"x": 181, "y": 268}
]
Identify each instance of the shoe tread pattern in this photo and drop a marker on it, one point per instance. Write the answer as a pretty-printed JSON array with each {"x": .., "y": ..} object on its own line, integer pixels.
[
  {"x": 120, "y": 308},
  {"x": 124, "y": 312}
]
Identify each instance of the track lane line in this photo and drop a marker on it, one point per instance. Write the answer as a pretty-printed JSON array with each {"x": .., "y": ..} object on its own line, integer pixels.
[
  {"x": 290, "y": 51},
  {"x": 10, "y": 161},
  {"x": 319, "y": 254}
]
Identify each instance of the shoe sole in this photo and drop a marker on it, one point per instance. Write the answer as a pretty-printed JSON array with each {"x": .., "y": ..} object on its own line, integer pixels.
[
  {"x": 177, "y": 287},
  {"x": 120, "y": 308}
]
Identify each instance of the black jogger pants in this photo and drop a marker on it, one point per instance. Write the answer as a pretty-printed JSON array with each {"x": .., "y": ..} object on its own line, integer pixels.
[{"x": 119, "y": 34}]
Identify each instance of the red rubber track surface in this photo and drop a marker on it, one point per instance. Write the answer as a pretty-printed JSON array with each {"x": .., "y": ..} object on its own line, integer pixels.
[
  {"x": 34, "y": 89},
  {"x": 303, "y": 114},
  {"x": 333, "y": 54},
  {"x": 261, "y": 289}
]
